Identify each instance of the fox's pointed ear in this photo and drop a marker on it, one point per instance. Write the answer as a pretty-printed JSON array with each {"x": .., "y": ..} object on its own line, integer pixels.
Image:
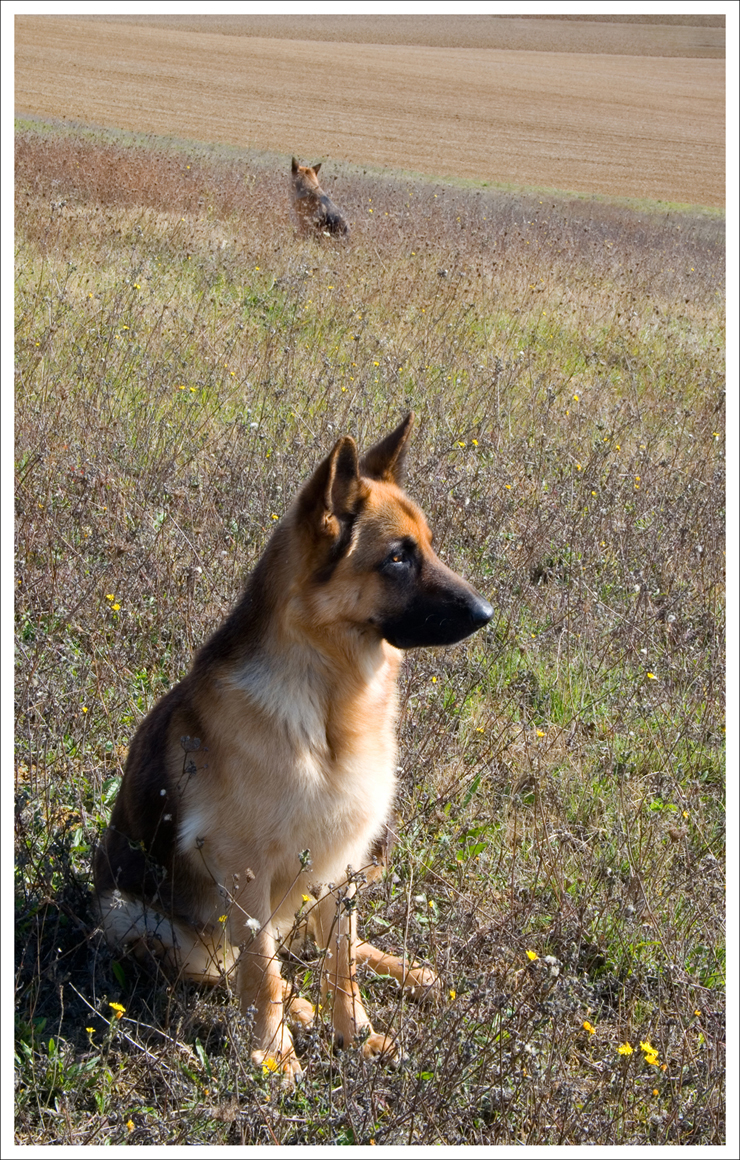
[
  {"x": 293, "y": 165},
  {"x": 387, "y": 459},
  {"x": 316, "y": 167},
  {"x": 332, "y": 493}
]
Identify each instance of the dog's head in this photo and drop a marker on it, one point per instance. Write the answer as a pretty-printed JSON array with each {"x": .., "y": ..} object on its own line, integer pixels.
[
  {"x": 305, "y": 180},
  {"x": 371, "y": 565}
]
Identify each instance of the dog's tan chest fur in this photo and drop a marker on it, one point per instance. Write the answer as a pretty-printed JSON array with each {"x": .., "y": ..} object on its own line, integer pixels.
[{"x": 327, "y": 756}]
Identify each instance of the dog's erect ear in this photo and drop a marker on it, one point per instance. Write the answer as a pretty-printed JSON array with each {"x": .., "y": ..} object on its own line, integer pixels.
[
  {"x": 332, "y": 493},
  {"x": 387, "y": 459},
  {"x": 344, "y": 479}
]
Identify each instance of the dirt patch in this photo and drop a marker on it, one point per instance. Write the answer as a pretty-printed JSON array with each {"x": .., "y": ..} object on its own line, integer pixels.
[
  {"x": 702, "y": 36},
  {"x": 621, "y": 125}
]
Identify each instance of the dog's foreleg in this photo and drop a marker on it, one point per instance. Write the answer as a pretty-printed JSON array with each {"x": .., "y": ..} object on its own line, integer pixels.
[
  {"x": 336, "y": 930},
  {"x": 261, "y": 995}
]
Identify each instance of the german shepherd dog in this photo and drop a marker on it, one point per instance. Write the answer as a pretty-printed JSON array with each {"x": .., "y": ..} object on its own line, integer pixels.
[
  {"x": 314, "y": 209},
  {"x": 257, "y": 788}
]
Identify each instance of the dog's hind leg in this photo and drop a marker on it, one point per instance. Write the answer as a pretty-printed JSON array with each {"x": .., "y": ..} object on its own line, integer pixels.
[
  {"x": 299, "y": 1010},
  {"x": 202, "y": 955},
  {"x": 420, "y": 982}
]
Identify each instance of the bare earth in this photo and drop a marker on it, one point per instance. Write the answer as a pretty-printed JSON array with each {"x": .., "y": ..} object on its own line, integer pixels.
[{"x": 619, "y": 108}]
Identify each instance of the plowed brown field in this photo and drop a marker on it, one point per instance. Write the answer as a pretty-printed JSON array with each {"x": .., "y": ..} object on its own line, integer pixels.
[{"x": 623, "y": 109}]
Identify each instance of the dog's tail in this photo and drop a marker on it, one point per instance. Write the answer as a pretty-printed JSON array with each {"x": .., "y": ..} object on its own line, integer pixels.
[{"x": 204, "y": 956}]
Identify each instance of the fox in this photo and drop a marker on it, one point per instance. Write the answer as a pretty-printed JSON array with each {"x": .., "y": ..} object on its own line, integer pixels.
[
  {"x": 260, "y": 787},
  {"x": 313, "y": 208}
]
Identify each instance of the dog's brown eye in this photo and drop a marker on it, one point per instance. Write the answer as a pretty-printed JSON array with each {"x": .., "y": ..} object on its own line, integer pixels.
[
  {"x": 397, "y": 557},
  {"x": 397, "y": 560}
]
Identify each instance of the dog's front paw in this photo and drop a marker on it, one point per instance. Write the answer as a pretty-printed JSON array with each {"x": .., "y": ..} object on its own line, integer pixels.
[
  {"x": 282, "y": 1063},
  {"x": 278, "y": 1056}
]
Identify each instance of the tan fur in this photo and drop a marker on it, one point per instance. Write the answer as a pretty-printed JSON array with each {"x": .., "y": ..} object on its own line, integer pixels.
[
  {"x": 281, "y": 741},
  {"x": 314, "y": 210}
]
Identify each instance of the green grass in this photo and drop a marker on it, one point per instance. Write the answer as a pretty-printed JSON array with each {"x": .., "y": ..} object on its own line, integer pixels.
[{"x": 183, "y": 360}]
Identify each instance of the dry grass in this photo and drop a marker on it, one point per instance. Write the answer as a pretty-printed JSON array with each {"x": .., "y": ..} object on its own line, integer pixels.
[{"x": 183, "y": 360}]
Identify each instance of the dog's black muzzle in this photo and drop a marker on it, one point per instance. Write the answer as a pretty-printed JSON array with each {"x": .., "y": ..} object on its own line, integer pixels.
[{"x": 438, "y": 617}]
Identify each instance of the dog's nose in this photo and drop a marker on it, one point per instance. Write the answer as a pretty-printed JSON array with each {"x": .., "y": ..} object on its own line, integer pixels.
[{"x": 480, "y": 612}]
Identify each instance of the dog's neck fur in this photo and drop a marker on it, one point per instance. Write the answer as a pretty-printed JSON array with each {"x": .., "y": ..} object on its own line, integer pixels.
[{"x": 303, "y": 694}]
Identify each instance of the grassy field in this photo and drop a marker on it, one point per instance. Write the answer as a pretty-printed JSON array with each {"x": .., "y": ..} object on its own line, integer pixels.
[{"x": 183, "y": 360}]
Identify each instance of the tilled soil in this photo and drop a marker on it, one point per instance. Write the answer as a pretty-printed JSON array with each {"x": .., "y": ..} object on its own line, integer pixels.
[{"x": 581, "y": 109}]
